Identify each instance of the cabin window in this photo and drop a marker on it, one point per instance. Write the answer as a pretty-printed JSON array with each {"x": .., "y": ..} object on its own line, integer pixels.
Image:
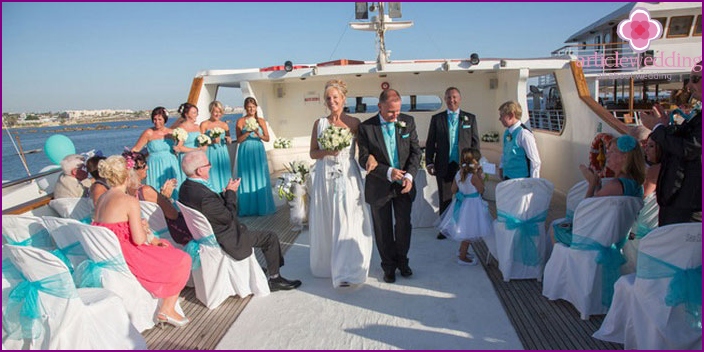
[
  {"x": 679, "y": 26},
  {"x": 409, "y": 103},
  {"x": 698, "y": 27},
  {"x": 663, "y": 22},
  {"x": 545, "y": 105}
]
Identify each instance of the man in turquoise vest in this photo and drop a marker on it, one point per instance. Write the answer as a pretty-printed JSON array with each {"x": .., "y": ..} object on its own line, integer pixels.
[{"x": 520, "y": 156}]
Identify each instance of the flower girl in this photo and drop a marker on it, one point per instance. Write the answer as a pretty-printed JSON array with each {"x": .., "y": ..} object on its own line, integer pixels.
[{"x": 467, "y": 217}]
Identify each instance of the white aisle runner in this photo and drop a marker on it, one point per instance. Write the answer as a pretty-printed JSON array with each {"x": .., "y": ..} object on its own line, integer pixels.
[{"x": 442, "y": 306}]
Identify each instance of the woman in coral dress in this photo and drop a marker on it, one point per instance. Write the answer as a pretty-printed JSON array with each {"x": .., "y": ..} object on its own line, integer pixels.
[{"x": 161, "y": 269}]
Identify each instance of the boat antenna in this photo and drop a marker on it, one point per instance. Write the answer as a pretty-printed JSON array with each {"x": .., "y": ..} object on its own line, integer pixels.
[
  {"x": 19, "y": 153},
  {"x": 379, "y": 24}
]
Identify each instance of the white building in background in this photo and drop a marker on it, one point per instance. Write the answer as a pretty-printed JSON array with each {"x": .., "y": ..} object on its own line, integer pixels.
[{"x": 83, "y": 114}]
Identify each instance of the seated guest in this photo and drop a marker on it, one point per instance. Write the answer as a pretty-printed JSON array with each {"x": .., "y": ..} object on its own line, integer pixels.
[
  {"x": 175, "y": 221},
  {"x": 221, "y": 211},
  {"x": 74, "y": 182},
  {"x": 99, "y": 185},
  {"x": 161, "y": 269}
]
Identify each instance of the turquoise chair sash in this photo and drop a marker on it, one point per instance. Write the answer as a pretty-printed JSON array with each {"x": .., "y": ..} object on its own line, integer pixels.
[
  {"x": 10, "y": 271},
  {"x": 193, "y": 248},
  {"x": 161, "y": 232},
  {"x": 524, "y": 249},
  {"x": 74, "y": 249},
  {"x": 22, "y": 316},
  {"x": 641, "y": 230},
  {"x": 563, "y": 232},
  {"x": 685, "y": 286},
  {"x": 88, "y": 273},
  {"x": 459, "y": 197},
  {"x": 610, "y": 258},
  {"x": 41, "y": 239},
  {"x": 569, "y": 215},
  {"x": 87, "y": 220}
]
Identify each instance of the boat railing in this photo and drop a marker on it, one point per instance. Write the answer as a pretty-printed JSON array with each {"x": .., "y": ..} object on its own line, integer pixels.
[
  {"x": 606, "y": 58},
  {"x": 550, "y": 120},
  {"x": 30, "y": 178}
]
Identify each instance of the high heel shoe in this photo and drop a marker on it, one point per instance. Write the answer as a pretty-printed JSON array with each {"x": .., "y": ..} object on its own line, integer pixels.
[{"x": 163, "y": 318}]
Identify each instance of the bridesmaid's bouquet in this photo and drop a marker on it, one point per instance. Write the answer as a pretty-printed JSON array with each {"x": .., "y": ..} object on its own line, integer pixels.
[
  {"x": 203, "y": 139},
  {"x": 179, "y": 134},
  {"x": 335, "y": 138},
  {"x": 216, "y": 132},
  {"x": 251, "y": 124},
  {"x": 282, "y": 143}
]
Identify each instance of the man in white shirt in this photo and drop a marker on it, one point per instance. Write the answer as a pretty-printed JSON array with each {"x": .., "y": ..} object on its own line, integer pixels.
[{"x": 520, "y": 156}]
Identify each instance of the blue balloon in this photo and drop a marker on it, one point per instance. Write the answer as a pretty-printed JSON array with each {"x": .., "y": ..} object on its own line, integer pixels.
[{"x": 57, "y": 147}]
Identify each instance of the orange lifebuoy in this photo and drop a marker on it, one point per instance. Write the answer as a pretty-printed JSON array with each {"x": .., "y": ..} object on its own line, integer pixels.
[{"x": 597, "y": 154}]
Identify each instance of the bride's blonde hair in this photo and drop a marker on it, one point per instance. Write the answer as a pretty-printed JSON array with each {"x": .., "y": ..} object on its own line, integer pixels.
[
  {"x": 113, "y": 170},
  {"x": 338, "y": 84}
]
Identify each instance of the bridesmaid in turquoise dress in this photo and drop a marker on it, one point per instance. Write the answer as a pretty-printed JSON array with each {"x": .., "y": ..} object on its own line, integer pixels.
[
  {"x": 189, "y": 116},
  {"x": 218, "y": 155},
  {"x": 254, "y": 194},
  {"x": 163, "y": 165}
]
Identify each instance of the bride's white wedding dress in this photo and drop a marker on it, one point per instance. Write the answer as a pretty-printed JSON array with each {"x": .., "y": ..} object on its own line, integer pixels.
[{"x": 341, "y": 235}]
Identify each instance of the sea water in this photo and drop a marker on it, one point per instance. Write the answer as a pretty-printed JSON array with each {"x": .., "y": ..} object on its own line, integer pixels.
[{"x": 85, "y": 137}]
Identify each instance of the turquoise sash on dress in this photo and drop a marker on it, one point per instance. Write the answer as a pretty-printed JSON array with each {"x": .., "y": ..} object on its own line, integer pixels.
[
  {"x": 610, "y": 258},
  {"x": 88, "y": 273},
  {"x": 684, "y": 288},
  {"x": 41, "y": 239},
  {"x": 193, "y": 249},
  {"x": 22, "y": 316},
  {"x": 524, "y": 249},
  {"x": 459, "y": 197}
]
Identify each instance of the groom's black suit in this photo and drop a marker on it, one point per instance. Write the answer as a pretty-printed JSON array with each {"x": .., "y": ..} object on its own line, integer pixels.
[{"x": 385, "y": 197}]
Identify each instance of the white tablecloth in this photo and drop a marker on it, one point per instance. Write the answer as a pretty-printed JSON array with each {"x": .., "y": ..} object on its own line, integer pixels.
[{"x": 426, "y": 205}]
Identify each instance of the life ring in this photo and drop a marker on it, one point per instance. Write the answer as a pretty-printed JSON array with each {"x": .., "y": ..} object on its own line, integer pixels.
[{"x": 597, "y": 154}]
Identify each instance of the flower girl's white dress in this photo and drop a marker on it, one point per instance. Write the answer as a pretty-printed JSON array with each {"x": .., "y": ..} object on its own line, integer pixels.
[{"x": 471, "y": 220}]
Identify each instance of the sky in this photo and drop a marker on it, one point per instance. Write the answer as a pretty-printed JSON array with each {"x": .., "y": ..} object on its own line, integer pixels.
[{"x": 85, "y": 56}]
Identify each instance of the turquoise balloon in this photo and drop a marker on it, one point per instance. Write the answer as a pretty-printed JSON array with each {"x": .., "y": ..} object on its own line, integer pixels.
[{"x": 57, "y": 147}]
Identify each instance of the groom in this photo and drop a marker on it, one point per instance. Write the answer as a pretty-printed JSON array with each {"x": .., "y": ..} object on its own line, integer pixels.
[{"x": 391, "y": 139}]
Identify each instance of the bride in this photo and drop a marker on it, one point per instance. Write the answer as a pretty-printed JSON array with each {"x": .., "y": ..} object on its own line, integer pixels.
[{"x": 339, "y": 220}]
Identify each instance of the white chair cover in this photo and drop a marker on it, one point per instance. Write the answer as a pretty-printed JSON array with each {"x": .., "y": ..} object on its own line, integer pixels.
[
  {"x": 521, "y": 251},
  {"x": 26, "y": 230},
  {"x": 573, "y": 274},
  {"x": 67, "y": 240},
  {"x": 80, "y": 209},
  {"x": 639, "y": 316},
  {"x": 67, "y": 318},
  {"x": 647, "y": 220},
  {"x": 157, "y": 222},
  {"x": 218, "y": 276}
]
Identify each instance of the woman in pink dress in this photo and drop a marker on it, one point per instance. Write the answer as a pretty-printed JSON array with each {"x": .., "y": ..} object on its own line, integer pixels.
[{"x": 161, "y": 269}]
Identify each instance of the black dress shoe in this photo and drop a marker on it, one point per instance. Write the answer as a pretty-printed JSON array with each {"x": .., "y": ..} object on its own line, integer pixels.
[
  {"x": 389, "y": 276},
  {"x": 441, "y": 236},
  {"x": 280, "y": 283},
  {"x": 406, "y": 271}
]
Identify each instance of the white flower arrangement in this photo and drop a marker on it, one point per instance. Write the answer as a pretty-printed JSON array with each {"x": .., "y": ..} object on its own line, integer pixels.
[
  {"x": 400, "y": 124},
  {"x": 251, "y": 124},
  {"x": 179, "y": 134},
  {"x": 216, "y": 132},
  {"x": 335, "y": 138},
  {"x": 490, "y": 136},
  {"x": 297, "y": 173},
  {"x": 282, "y": 143},
  {"x": 203, "y": 139}
]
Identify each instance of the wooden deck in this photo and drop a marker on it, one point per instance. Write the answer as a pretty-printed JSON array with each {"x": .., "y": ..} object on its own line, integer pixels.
[{"x": 540, "y": 324}]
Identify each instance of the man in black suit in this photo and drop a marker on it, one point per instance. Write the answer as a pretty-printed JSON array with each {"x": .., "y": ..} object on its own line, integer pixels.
[
  {"x": 221, "y": 212},
  {"x": 391, "y": 139},
  {"x": 450, "y": 132},
  {"x": 679, "y": 186}
]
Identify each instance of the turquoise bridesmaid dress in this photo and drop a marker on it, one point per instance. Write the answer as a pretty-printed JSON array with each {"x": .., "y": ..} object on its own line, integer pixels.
[
  {"x": 190, "y": 142},
  {"x": 163, "y": 165},
  {"x": 254, "y": 194},
  {"x": 220, "y": 171}
]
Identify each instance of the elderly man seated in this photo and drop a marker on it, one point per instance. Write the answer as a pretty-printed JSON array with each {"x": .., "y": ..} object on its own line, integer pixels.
[
  {"x": 220, "y": 208},
  {"x": 74, "y": 182}
]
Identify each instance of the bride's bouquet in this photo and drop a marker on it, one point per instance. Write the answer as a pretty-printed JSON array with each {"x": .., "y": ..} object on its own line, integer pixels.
[
  {"x": 251, "y": 124},
  {"x": 335, "y": 138},
  {"x": 203, "y": 139},
  {"x": 216, "y": 132},
  {"x": 179, "y": 134}
]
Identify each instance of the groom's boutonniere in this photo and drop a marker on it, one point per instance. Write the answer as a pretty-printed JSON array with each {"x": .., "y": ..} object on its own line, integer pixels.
[
  {"x": 465, "y": 118},
  {"x": 400, "y": 124},
  {"x": 509, "y": 138}
]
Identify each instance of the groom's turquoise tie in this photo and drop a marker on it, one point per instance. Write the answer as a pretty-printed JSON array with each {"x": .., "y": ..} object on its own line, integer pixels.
[
  {"x": 452, "y": 127},
  {"x": 390, "y": 140}
]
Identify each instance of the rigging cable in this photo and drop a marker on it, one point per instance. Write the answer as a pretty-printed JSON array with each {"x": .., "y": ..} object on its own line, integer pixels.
[
  {"x": 338, "y": 42},
  {"x": 24, "y": 162}
]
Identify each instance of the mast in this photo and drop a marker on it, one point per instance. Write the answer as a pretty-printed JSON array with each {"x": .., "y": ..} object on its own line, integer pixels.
[{"x": 380, "y": 24}]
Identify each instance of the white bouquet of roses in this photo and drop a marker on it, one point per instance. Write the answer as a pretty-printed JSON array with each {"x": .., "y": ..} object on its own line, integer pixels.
[
  {"x": 285, "y": 184},
  {"x": 203, "y": 139},
  {"x": 179, "y": 134},
  {"x": 250, "y": 124},
  {"x": 216, "y": 132},
  {"x": 490, "y": 136},
  {"x": 282, "y": 143},
  {"x": 335, "y": 138}
]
